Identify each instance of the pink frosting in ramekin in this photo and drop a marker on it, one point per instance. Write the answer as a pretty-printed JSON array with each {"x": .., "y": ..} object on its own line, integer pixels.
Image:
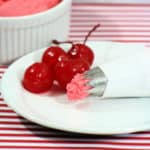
[{"x": 10, "y": 8}]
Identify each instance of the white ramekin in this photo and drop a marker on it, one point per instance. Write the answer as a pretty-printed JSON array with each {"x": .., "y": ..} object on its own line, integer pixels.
[{"x": 20, "y": 35}]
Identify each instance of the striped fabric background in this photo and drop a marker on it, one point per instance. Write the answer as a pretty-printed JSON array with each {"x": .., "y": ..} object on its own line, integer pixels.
[{"x": 119, "y": 22}]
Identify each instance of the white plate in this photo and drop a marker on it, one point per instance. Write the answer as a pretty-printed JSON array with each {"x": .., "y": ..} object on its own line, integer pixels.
[{"x": 92, "y": 116}]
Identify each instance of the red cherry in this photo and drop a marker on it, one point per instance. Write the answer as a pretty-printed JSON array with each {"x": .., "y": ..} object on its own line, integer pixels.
[
  {"x": 38, "y": 78},
  {"x": 65, "y": 70},
  {"x": 79, "y": 50},
  {"x": 51, "y": 55},
  {"x": 82, "y": 51}
]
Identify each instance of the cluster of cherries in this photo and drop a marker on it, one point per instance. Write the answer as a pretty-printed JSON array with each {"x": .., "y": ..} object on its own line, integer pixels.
[{"x": 58, "y": 65}]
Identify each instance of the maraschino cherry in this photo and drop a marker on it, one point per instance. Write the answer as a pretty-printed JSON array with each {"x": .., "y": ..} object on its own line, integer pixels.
[
  {"x": 81, "y": 50},
  {"x": 38, "y": 78},
  {"x": 52, "y": 54}
]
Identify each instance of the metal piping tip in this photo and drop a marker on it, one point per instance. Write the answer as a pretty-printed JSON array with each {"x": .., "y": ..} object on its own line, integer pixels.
[{"x": 97, "y": 81}]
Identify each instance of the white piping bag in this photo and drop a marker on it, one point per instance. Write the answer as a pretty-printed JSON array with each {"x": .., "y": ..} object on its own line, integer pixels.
[
  {"x": 128, "y": 77},
  {"x": 124, "y": 77}
]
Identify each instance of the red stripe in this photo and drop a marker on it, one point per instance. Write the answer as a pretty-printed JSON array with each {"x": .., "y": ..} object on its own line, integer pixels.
[
  {"x": 113, "y": 4},
  {"x": 111, "y": 35},
  {"x": 57, "y": 147},
  {"x": 3, "y": 67},
  {"x": 110, "y": 30},
  {"x": 43, "y": 134},
  {"x": 59, "y": 135},
  {"x": 16, "y": 123},
  {"x": 3, "y": 105},
  {"x": 69, "y": 148},
  {"x": 105, "y": 148},
  {"x": 110, "y": 25},
  {"x": 109, "y": 10},
  {"x": 7, "y": 111},
  {"x": 10, "y": 117},
  {"x": 123, "y": 40},
  {"x": 99, "y": 20},
  {"x": 66, "y": 148},
  {"x": 75, "y": 142},
  {"x": 1, "y": 72},
  {"x": 112, "y": 15},
  {"x": 132, "y": 41},
  {"x": 37, "y": 128}
]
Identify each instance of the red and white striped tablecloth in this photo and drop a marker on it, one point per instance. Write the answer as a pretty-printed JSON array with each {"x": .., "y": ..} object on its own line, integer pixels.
[{"x": 119, "y": 22}]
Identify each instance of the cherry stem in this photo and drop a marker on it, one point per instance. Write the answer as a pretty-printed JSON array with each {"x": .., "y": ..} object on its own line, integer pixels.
[
  {"x": 62, "y": 42},
  {"x": 90, "y": 32},
  {"x": 72, "y": 43}
]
